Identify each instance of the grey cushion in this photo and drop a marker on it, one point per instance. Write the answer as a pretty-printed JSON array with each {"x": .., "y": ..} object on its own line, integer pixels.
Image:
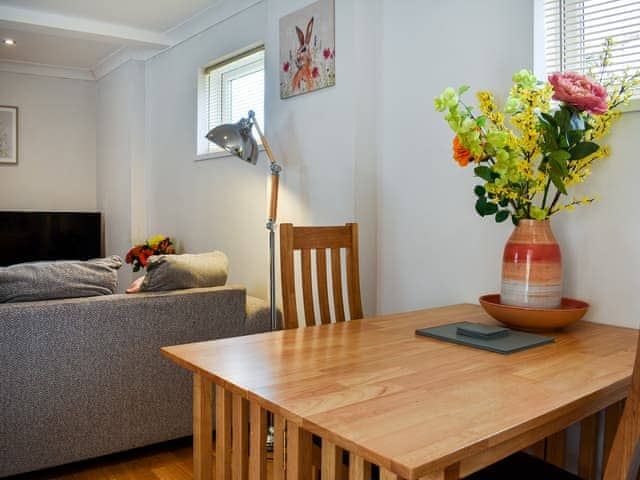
[
  {"x": 36, "y": 281},
  {"x": 176, "y": 272}
]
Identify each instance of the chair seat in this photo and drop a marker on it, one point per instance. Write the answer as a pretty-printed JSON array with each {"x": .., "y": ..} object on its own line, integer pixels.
[{"x": 522, "y": 466}]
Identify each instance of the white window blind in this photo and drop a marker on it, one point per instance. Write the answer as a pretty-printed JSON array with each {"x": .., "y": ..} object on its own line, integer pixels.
[
  {"x": 233, "y": 87},
  {"x": 576, "y": 31}
]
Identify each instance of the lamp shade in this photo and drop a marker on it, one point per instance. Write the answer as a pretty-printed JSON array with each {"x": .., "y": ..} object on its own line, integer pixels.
[{"x": 236, "y": 139}]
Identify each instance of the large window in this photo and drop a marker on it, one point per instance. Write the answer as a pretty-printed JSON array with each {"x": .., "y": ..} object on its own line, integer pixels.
[
  {"x": 575, "y": 32},
  {"x": 228, "y": 90}
]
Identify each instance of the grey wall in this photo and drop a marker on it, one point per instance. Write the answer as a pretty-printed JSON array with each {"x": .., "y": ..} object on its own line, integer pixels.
[
  {"x": 121, "y": 184},
  {"x": 57, "y": 144}
]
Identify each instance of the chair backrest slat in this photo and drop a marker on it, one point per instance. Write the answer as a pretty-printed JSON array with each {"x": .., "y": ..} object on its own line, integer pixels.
[
  {"x": 336, "y": 281},
  {"x": 323, "y": 289},
  {"x": 353, "y": 276},
  {"x": 319, "y": 240},
  {"x": 623, "y": 461},
  {"x": 307, "y": 288},
  {"x": 287, "y": 270}
]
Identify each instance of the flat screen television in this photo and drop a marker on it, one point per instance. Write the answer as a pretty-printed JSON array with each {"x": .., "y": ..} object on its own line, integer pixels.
[{"x": 35, "y": 236}]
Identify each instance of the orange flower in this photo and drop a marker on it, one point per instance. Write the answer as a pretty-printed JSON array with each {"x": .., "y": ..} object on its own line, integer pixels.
[{"x": 460, "y": 153}]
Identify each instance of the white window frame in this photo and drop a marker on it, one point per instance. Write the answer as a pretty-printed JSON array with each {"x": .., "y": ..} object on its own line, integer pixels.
[
  {"x": 219, "y": 75},
  {"x": 539, "y": 60}
]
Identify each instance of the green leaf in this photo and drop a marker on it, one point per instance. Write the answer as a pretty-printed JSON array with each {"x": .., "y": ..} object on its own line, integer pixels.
[
  {"x": 481, "y": 121},
  {"x": 548, "y": 118},
  {"x": 479, "y": 190},
  {"x": 463, "y": 89},
  {"x": 583, "y": 149},
  {"x": 490, "y": 208},
  {"x": 558, "y": 167},
  {"x": 551, "y": 143},
  {"x": 560, "y": 155},
  {"x": 563, "y": 119},
  {"x": 480, "y": 206},
  {"x": 557, "y": 181},
  {"x": 483, "y": 172},
  {"x": 574, "y": 136},
  {"x": 502, "y": 215},
  {"x": 503, "y": 203},
  {"x": 515, "y": 220}
]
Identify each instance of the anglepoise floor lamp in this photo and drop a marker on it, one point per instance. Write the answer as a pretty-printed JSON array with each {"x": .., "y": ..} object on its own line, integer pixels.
[{"x": 236, "y": 138}]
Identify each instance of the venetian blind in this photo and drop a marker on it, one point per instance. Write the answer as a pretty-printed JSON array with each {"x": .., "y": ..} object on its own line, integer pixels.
[
  {"x": 576, "y": 31},
  {"x": 234, "y": 87}
]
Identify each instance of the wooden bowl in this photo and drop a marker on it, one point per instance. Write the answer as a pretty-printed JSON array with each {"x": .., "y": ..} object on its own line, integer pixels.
[{"x": 534, "y": 319}]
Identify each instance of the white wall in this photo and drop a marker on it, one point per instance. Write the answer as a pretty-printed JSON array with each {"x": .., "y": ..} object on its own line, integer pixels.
[
  {"x": 434, "y": 249},
  {"x": 215, "y": 204},
  {"x": 322, "y": 139},
  {"x": 327, "y": 139},
  {"x": 120, "y": 153},
  {"x": 57, "y": 144}
]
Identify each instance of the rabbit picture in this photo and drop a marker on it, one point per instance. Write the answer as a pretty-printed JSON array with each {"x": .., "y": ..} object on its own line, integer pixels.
[
  {"x": 303, "y": 59},
  {"x": 307, "y": 49}
]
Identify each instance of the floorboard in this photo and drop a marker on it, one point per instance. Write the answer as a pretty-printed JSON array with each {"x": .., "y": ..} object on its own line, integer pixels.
[{"x": 167, "y": 461}]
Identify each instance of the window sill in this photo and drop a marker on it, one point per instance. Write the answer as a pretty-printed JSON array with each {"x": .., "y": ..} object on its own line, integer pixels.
[
  {"x": 634, "y": 106},
  {"x": 219, "y": 154}
]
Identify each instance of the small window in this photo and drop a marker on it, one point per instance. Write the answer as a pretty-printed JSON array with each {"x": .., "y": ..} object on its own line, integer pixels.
[
  {"x": 575, "y": 32},
  {"x": 228, "y": 90}
]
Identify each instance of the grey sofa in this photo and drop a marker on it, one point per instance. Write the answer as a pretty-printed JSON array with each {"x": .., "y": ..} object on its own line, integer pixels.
[{"x": 84, "y": 377}]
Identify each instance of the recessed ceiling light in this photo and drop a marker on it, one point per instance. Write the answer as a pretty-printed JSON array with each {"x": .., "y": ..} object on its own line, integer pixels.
[{"x": 9, "y": 42}]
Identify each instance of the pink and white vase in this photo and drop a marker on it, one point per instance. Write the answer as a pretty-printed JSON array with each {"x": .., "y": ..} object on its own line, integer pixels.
[{"x": 532, "y": 267}]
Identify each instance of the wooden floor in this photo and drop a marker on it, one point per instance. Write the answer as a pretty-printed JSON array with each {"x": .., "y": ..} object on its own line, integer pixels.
[{"x": 168, "y": 461}]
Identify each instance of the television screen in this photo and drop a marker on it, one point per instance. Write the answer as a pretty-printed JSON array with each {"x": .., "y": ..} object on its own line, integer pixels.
[{"x": 34, "y": 236}]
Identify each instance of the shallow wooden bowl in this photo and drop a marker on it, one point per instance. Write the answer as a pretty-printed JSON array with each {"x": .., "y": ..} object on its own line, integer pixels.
[{"x": 535, "y": 319}]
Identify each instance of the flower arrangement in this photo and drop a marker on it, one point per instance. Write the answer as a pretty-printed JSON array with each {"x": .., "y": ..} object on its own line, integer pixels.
[
  {"x": 157, "y": 245},
  {"x": 541, "y": 142}
]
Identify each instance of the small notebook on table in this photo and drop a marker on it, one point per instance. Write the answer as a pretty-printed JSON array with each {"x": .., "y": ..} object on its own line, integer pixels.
[{"x": 486, "y": 337}]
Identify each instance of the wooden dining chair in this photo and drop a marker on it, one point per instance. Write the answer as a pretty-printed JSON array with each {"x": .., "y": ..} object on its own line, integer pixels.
[
  {"x": 327, "y": 243},
  {"x": 623, "y": 462}
]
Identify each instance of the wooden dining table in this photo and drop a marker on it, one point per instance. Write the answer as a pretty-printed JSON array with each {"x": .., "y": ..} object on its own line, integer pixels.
[{"x": 409, "y": 406}]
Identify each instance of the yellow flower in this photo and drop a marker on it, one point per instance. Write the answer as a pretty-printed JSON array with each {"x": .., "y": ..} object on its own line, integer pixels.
[{"x": 155, "y": 240}]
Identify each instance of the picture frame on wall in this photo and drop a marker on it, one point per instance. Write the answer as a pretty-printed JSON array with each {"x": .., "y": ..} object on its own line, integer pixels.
[
  {"x": 307, "y": 49},
  {"x": 8, "y": 135}
]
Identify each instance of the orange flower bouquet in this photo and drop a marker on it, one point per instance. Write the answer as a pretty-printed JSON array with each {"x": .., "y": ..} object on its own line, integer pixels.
[{"x": 157, "y": 245}]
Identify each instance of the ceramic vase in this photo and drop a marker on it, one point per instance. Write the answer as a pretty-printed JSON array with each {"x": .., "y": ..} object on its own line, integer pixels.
[{"x": 532, "y": 267}]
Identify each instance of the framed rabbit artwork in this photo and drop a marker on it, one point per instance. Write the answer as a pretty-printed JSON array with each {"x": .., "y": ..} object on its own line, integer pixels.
[{"x": 307, "y": 49}]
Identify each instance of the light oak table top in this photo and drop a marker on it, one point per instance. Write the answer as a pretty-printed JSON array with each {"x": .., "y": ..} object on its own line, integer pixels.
[{"x": 413, "y": 404}]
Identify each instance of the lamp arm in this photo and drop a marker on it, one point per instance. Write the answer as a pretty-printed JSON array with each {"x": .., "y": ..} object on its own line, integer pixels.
[
  {"x": 271, "y": 222},
  {"x": 265, "y": 142},
  {"x": 275, "y": 176}
]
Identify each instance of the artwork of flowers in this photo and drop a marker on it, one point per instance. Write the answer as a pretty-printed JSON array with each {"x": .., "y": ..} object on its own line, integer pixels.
[
  {"x": 157, "y": 245},
  {"x": 307, "y": 49},
  {"x": 9, "y": 135},
  {"x": 542, "y": 141}
]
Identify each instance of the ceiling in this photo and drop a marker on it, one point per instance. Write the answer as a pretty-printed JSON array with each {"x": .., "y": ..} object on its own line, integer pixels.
[
  {"x": 55, "y": 50},
  {"x": 86, "y": 34},
  {"x": 156, "y": 15}
]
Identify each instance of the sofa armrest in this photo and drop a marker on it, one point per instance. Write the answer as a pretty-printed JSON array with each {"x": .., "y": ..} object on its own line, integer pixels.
[{"x": 258, "y": 317}]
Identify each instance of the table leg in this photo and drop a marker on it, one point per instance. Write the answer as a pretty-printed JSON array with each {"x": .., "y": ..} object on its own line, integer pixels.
[
  {"x": 240, "y": 454},
  {"x": 223, "y": 434},
  {"x": 202, "y": 428},
  {"x": 359, "y": 468},
  {"x": 257, "y": 443},
  {"x": 298, "y": 453},
  {"x": 331, "y": 461},
  {"x": 279, "y": 425}
]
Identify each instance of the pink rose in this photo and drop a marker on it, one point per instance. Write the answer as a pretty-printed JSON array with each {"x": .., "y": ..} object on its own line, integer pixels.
[{"x": 579, "y": 91}]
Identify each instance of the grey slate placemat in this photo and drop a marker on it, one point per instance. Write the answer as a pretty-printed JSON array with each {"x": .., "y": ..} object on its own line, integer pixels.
[{"x": 514, "y": 342}]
